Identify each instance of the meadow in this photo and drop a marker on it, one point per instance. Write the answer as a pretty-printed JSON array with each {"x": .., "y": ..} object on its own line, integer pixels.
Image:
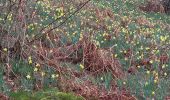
[{"x": 84, "y": 50}]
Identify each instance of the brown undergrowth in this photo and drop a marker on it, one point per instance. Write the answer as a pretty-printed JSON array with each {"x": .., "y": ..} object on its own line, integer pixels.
[
  {"x": 95, "y": 60},
  {"x": 153, "y": 6}
]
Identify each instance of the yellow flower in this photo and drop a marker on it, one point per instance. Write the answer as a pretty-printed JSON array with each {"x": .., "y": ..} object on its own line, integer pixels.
[
  {"x": 124, "y": 83},
  {"x": 57, "y": 75},
  {"x": 127, "y": 42},
  {"x": 101, "y": 78},
  {"x": 163, "y": 38},
  {"x": 153, "y": 92},
  {"x": 5, "y": 49},
  {"x": 148, "y": 72},
  {"x": 138, "y": 66},
  {"x": 146, "y": 83},
  {"x": 80, "y": 38},
  {"x": 29, "y": 58},
  {"x": 151, "y": 61},
  {"x": 74, "y": 33},
  {"x": 53, "y": 76},
  {"x": 59, "y": 12},
  {"x": 42, "y": 73},
  {"x": 155, "y": 81},
  {"x": 137, "y": 42},
  {"x": 30, "y": 61},
  {"x": 139, "y": 57},
  {"x": 163, "y": 66},
  {"x": 147, "y": 48},
  {"x": 35, "y": 69},
  {"x": 28, "y": 76},
  {"x": 97, "y": 43},
  {"x": 165, "y": 74},
  {"x": 115, "y": 55},
  {"x": 141, "y": 47},
  {"x": 157, "y": 51},
  {"x": 9, "y": 17},
  {"x": 81, "y": 66},
  {"x": 34, "y": 46}
]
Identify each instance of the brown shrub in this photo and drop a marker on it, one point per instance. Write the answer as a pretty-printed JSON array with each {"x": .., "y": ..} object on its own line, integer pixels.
[
  {"x": 152, "y": 6},
  {"x": 100, "y": 60}
]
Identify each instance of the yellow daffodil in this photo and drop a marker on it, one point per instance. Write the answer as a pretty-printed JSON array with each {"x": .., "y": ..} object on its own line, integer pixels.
[
  {"x": 115, "y": 55},
  {"x": 163, "y": 66},
  {"x": 146, "y": 83},
  {"x": 59, "y": 12},
  {"x": 29, "y": 58},
  {"x": 153, "y": 92},
  {"x": 35, "y": 69},
  {"x": 42, "y": 73},
  {"x": 165, "y": 74},
  {"x": 28, "y": 76},
  {"x": 57, "y": 75},
  {"x": 148, "y": 72},
  {"x": 163, "y": 38},
  {"x": 151, "y": 61},
  {"x": 34, "y": 46},
  {"x": 53, "y": 76},
  {"x": 101, "y": 78},
  {"x": 138, "y": 66},
  {"x": 5, "y": 49},
  {"x": 30, "y": 61},
  {"x": 124, "y": 83},
  {"x": 74, "y": 33},
  {"x": 155, "y": 81},
  {"x": 81, "y": 66},
  {"x": 147, "y": 48}
]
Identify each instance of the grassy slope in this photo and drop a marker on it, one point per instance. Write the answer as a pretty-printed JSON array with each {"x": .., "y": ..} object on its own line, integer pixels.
[
  {"x": 143, "y": 41},
  {"x": 141, "y": 83}
]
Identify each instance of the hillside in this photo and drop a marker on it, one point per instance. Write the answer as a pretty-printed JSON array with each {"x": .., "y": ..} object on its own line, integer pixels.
[{"x": 84, "y": 50}]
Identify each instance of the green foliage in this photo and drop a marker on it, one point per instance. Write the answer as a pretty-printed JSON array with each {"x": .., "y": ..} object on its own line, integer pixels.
[
  {"x": 21, "y": 95},
  {"x": 143, "y": 86},
  {"x": 48, "y": 94},
  {"x": 67, "y": 96}
]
